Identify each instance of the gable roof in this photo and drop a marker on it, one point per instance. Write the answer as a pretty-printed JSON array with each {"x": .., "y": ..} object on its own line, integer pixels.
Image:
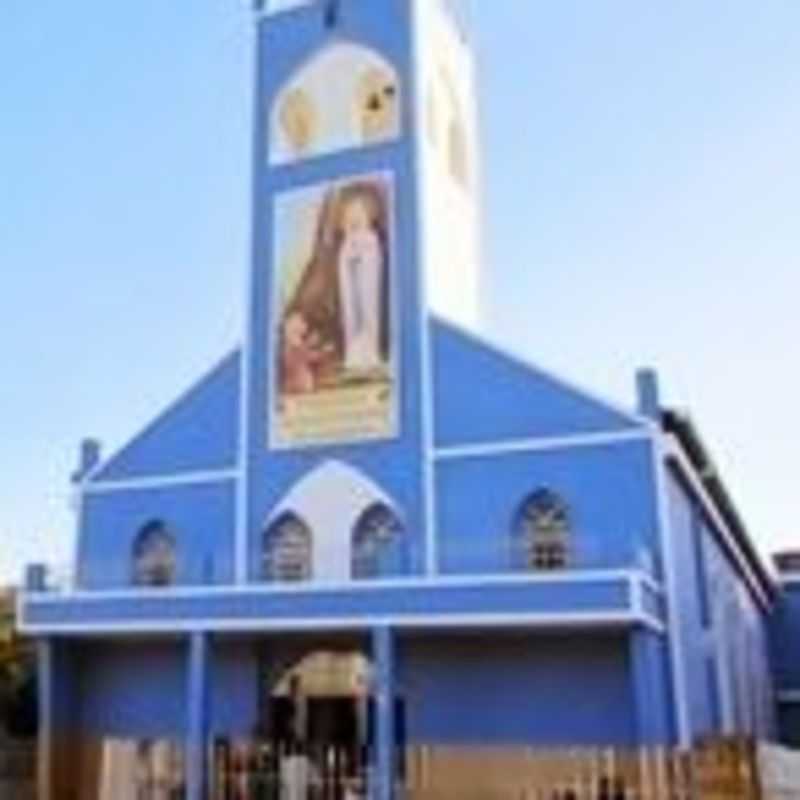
[
  {"x": 197, "y": 432},
  {"x": 484, "y": 394}
]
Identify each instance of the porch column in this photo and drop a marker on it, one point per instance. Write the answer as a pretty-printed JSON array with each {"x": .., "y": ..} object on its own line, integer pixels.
[
  {"x": 650, "y": 672},
  {"x": 383, "y": 656},
  {"x": 197, "y": 704}
]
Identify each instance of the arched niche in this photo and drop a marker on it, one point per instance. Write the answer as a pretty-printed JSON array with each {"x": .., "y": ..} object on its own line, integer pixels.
[
  {"x": 331, "y": 500},
  {"x": 446, "y": 127},
  {"x": 344, "y": 97}
]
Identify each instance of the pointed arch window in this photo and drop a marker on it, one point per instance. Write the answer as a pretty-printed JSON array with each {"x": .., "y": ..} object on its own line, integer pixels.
[
  {"x": 375, "y": 540},
  {"x": 154, "y": 556},
  {"x": 288, "y": 547},
  {"x": 542, "y": 532}
]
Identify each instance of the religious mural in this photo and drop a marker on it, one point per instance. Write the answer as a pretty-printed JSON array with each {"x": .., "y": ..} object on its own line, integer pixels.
[
  {"x": 333, "y": 349},
  {"x": 345, "y": 97}
]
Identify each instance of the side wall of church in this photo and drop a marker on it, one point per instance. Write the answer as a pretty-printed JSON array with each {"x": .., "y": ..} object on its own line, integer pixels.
[{"x": 721, "y": 630}]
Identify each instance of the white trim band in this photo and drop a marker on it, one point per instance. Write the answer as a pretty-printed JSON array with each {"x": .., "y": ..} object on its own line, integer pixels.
[
  {"x": 413, "y": 583},
  {"x": 161, "y": 481},
  {"x": 510, "y": 446},
  {"x": 610, "y": 619}
]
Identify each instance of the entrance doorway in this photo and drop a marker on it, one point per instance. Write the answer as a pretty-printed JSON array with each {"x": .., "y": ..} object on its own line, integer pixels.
[{"x": 315, "y": 736}]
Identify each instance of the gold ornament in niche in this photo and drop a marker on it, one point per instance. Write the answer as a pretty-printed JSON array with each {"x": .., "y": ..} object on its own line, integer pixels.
[
  {"x": 378, "y": 105},
  {"x": 458, "y": 153},
  {"x": 298, "y": 119},
  {"x": 432, "y": 118}
]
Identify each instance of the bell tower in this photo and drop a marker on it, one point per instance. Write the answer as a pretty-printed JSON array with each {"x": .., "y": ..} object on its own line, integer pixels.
[{"x": 365, "y": 220}]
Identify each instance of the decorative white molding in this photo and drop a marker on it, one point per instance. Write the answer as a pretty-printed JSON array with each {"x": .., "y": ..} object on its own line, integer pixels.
[
  {"x": 637, "y": 595},
  {"x": 160, "y": 481},
  {"x": 572, "y": 620},
  {"x": 511, "y": 446},
  {"x": 245, "y": 385},
  {"x": 330, "y": 499},
  {"x": 427, "y": 416},
  {"x": 414, "y": 583}
]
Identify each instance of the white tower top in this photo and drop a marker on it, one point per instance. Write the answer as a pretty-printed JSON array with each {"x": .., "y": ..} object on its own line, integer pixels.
[{"x": 450, "y": 164}]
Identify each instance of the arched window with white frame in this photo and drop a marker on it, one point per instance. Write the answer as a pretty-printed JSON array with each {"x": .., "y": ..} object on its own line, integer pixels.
[
  {"x": 154, "y": 556},
  {"x": 288, "y": 550},
  {"x": 542, "y": 534}
]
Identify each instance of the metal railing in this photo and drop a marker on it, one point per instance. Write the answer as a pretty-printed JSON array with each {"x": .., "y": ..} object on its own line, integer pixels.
[
  {"x": 727, "y": 769},
  {"x": 713, "y": 770}
]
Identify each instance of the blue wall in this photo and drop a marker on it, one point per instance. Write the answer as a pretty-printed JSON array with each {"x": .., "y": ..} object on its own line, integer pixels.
[
  {"x": 59, "y": 686},
  {"x": 689, "y": 625},
  {"x": 789, "y": 724},
  {"x": 522, "y": 403},
  {"x": 785, "y": 639},
  {"x": 536, "y": 690},
  {"x": 608, "y": 490},
  {"x": 138, "y": 688},
  {"x": 234, "y": 677},
  {"x": 784, "y": 636},
  {"x": 200, "y": 517},
  {"x": 296, "y": 607},
  {"x": 285, "y": 43},
  {"x": 133, "y": 689},
  {"x": 721, "y": 627},
  {"x": 652, "y": 688}
]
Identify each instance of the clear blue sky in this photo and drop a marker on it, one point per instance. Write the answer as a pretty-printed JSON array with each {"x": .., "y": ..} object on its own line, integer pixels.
[{"x": 642, "y": 173}]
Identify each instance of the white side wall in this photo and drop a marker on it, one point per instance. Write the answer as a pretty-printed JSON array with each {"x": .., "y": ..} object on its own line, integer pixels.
[{"x": 451, "y": 209}]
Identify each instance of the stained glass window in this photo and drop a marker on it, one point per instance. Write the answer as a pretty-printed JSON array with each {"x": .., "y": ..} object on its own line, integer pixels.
[
  {"x": 288, "y": 550},
  {"x": 542, "y": 532},
  {"x": 154, "y": 557},
  {"x": 374, "y": 537}
]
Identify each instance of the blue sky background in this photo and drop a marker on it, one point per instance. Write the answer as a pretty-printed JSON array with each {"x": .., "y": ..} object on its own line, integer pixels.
[{"x": 642, "y": 175}]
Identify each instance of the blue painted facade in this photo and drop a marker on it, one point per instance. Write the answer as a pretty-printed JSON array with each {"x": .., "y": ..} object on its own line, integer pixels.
[{"x": 650, "y": 627}]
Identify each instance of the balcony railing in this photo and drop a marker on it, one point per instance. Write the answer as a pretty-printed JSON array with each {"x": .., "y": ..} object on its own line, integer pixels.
[
  {"x": 478, "y": 560},
  {"x": 471, "y": 557}
]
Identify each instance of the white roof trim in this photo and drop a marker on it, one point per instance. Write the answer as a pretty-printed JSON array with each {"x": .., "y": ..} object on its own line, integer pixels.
[
  {"x": 675, "y": 450},
  {"x": 506, "y": 447}
]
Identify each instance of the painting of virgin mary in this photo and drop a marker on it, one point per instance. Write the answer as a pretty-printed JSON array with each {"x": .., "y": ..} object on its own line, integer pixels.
[{"x": 333, "y": 263}]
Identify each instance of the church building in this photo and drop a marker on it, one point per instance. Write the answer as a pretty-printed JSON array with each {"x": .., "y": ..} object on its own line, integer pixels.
[{"x": 369, "y": 529}]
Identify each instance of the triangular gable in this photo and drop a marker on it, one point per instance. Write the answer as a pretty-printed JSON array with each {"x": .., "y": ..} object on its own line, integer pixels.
[
  {"x": 483, "y": 395},
  {"x": 198, "y": 432}
]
